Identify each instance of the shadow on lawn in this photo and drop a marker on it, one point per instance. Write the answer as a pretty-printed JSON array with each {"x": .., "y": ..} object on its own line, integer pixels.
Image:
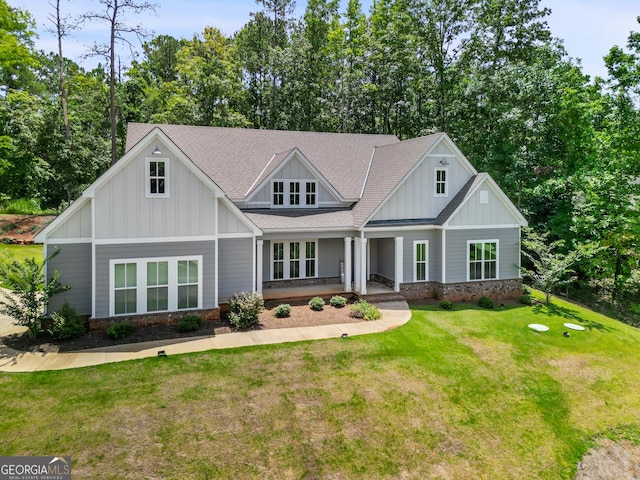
[{"x": 553, "y": 310}]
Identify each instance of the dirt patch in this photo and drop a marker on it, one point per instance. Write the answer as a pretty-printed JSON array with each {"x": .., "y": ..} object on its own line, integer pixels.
[
  {"x": 610, "y": 461},
  {"x": 301, "y": 316},
  {"x": 22, "y": 228}
]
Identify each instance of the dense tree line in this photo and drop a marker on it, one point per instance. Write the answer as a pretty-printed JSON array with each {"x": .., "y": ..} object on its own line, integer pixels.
[{"x": 564, "y": 147}]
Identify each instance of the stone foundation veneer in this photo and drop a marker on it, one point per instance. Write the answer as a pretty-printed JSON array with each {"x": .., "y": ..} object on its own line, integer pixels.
[
  {"x": 456, "y": 292},
  {"x": 152, "y": 319}
]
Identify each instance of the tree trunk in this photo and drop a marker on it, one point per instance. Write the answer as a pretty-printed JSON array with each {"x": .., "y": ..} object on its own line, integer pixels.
[
  {"x": 112, "y": 83},
  {"x": 63, "y": 89}
]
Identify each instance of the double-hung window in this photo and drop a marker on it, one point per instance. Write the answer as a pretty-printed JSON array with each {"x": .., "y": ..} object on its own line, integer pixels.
[
  {"x": 146, "y": 285},
  {"x": 421, "y": 261},
  {"x": 311, "y": 193},
  {"x": 278, "y": 193},
  {"x": 157, "y": 171},
  {"x": 293, "y": 259},
  {"x": 125, "y": 291},
  {"x": 294, "y": 193},
  {"x": 483, "y": 260},
  {"x": 441, "y": 185}
]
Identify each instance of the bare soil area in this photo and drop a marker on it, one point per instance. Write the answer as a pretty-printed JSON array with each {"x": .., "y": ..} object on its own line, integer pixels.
[
  {"x": 301, "y": 316},
  {"x": 22, "y": 228},
  {"x": 611, "y": 461}
]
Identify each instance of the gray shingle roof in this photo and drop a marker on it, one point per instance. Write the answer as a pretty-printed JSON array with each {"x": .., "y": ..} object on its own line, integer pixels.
[
  {"x": 234, "y": 158},
  {"x": 459, "y": 198},
  {"x": 390, "y": 165}
]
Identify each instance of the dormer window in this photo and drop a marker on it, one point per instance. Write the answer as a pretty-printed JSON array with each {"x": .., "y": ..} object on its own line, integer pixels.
[
  {"x": 298, "y": 193},
  {"x": 157, "y": 177}
]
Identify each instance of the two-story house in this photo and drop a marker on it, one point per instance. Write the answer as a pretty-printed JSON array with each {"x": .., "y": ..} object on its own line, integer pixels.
[{"x": 191, "y": 215}]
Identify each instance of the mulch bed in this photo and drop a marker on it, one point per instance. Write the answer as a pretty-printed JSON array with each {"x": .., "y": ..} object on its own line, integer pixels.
[{"x": 301, "y": 316}]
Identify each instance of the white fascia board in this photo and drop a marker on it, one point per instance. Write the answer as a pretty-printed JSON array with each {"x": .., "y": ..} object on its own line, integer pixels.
[
  {"x": 41, "y": 237},
  {"x": 520, "y": 220},
  {"x": 444, "y": 138}
]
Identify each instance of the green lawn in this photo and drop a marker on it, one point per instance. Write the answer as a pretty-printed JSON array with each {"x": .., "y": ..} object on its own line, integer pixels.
[
  {"x": 20, "y": 252},
  {"x": 464, "y": 394}
]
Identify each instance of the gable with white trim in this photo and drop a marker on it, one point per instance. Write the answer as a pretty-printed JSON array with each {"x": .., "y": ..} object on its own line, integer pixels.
[
  {"x": 77, "y": 226},
  {"x": 486, "y": 206},
  {"x": 293, "y": 170},
  {"x": 418, "y": 197}
]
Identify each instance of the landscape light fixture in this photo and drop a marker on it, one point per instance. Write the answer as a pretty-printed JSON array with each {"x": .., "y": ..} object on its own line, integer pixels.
[{"x": 162, "y": 353}]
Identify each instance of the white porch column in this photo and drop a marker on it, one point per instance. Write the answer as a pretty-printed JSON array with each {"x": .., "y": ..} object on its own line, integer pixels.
[
  {"x": 259, "y": 251},
  {"x": 399, "y": 263},
  {"x": 347, "y": 264},
  {"x": 357, "y": 263},
  {"x": 363, "y": 265}
]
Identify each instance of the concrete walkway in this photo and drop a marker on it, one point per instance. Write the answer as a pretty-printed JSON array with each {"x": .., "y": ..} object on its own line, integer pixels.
[{"x": 394, "y": 314}]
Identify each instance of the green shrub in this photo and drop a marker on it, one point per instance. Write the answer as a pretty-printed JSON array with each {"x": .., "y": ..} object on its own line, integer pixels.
[
  {"x": 446, "y": 305},
  {"x": 189, "y": 323},
  {"x": 316, "y": 304},
  {"x": 119, "y": 330},
  {"x": 66, "y": 323},
  {"x": 338, "y": 301},
  {"x": 526, "y": 290},
  {"x": 635, "y": 308},
  {"x": 363, "y": 309},
  {"x": 281, "y": 311},
  {"x": 485, "y": 302},
  {"x": 526, "y": 299},
  {"x": 244, "y": 309}
]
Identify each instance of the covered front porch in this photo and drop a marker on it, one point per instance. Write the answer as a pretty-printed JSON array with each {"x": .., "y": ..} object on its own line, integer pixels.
[{"x": 375, "y": 291}]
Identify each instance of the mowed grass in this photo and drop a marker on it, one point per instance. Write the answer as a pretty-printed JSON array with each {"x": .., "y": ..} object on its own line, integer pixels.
[
  {"x": 20, "y": 252},
  {"x": 464, "y": 394}
]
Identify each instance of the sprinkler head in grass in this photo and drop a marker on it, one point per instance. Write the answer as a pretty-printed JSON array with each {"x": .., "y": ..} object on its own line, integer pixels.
[{"x": 566, "y": 334}]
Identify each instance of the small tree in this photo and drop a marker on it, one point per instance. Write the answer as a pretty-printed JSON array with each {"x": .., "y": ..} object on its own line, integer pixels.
[
  {"x": 551, "y": 269},
  {"x": 29, "y": 295}
]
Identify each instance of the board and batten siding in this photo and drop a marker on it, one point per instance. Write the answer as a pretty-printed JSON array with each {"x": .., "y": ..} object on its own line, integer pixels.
[
  {"x": 457, "y": 254},
  {"x": 483, "y": 208},
  {"x": 125, "y": 211},
  {"x": 294, "y": 169},
  {"x": 235, "y": 268},
  {"x": 415, "y": 198},
  {"x": 105, "y": 253},
  {"x": 228, "y": 221},
  {"x": 76, "y": 226},
  {"x": 74, "y": 264}
]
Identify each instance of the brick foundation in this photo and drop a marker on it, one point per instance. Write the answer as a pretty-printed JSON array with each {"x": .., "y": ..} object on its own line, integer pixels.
[
  {"x": 494, "y": 289},
  {"x": 151, "y": 319}
]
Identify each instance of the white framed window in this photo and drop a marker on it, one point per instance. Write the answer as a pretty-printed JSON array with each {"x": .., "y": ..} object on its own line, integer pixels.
[
  {"x": 278, "y": 193},
  {"x": 294, "y": 259},
  {"x": 145, "y": 285},
  {"x": 441, "y": 179},
  {"x": 420, "y": 261},
  {"x": 310, "y": 193},
  {"x": 157, "y": 177},
  {"x": 482, "y": 261},
  {"x": 294, "y": 193},
  {"x": 125, "y": 288}
]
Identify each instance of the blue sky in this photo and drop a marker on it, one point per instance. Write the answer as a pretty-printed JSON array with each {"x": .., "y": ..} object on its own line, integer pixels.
[{"x": 589, "y": 28}]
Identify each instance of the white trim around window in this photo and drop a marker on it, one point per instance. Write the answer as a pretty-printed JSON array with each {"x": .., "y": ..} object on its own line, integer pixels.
[
  {"x": 483, "y": 260},
  {"x": 156, "y": 177},
  {"x": 294, "y": 193},
  {"x": 421, "y": 261},
  {"x": 441, "y": 182},
  {"x": 293, "y": 259},
  {"x": 159, "y": 284}
]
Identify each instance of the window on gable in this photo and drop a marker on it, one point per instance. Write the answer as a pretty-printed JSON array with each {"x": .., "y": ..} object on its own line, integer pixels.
[
  {"x": 441, "y": 189},
  {"x": 311, "y": 193},
  {"x": 420, "y": 260},
  {"x": 294, "y": 193},
  {"x": 483, "y": 260},
  {"x": 157, "y": 177},
  {"x": 278, "y": 193}
]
